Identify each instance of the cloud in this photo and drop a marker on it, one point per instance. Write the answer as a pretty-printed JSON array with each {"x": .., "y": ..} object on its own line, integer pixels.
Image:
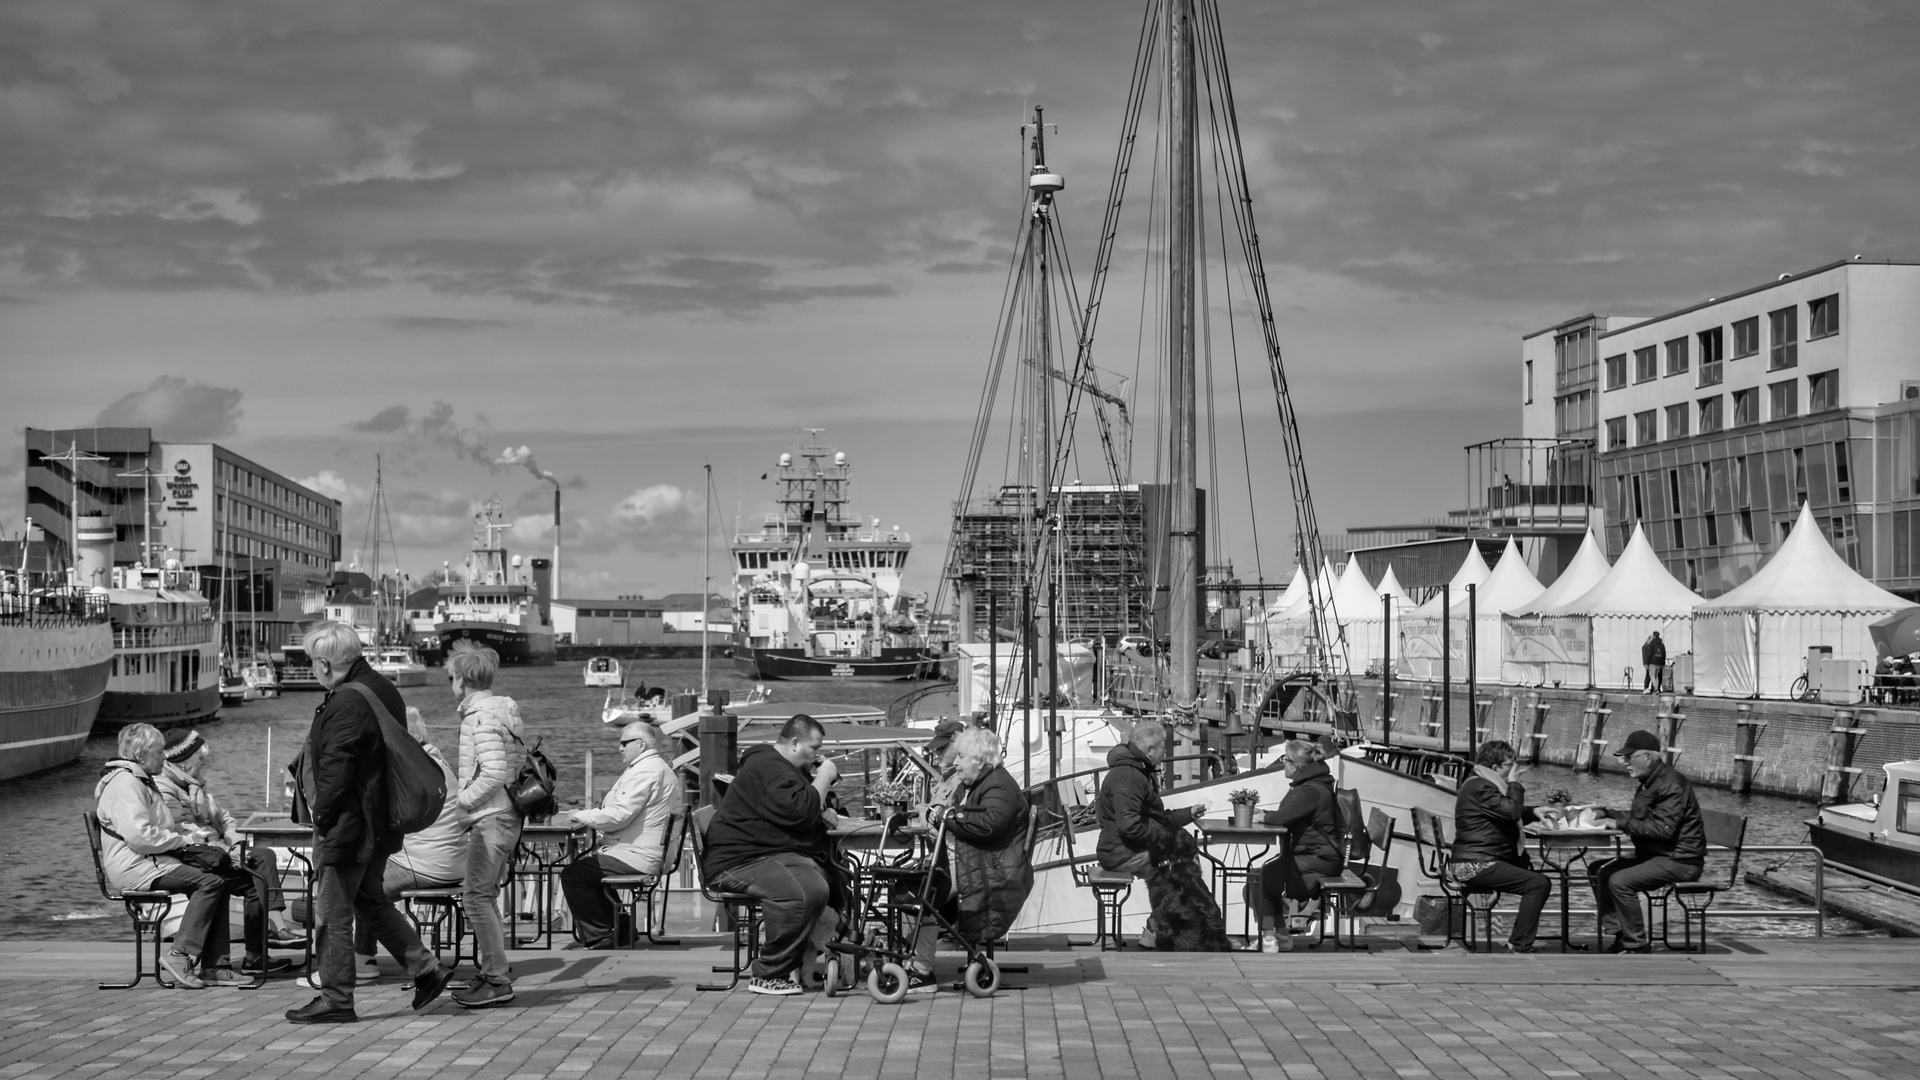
[
  {"x": 662, "y": 514},
  {"x": 435, "y": 427},
  {"x": 334, "y": 486},
  {"x": 177, "y": 409},
  {"x": 388, "y": 420}
]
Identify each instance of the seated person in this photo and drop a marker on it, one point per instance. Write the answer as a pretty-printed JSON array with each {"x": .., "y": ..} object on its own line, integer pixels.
[
  {"x": 769, "y": 840},
  {"x": 136, "y": 835},
  {"x": 1313, "y": 849},
  {"x": 1140, "y": 836},
  {"x": 1488, "y": 850},
  {"x": 195, "y": 812},
  {"x": 632, "y": 820},
  {"x": 990, "y": 873},
  {"x": 1669, "y": 843}
]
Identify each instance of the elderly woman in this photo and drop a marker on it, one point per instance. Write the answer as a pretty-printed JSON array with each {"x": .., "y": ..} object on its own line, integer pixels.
[
  {"x": 492, "y": 753},
  {"x": 1313, "y": 850},
  {"x": 137, "y": 834},
  {"x": 1488, "y": 849},
  {"x": 990, "y": 873}
]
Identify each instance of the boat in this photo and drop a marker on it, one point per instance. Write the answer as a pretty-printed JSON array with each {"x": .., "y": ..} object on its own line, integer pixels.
[
  {"x": 261, "y": 680},
  {"x": 817, "y": 593},
  {"x": 56, "y": 652},
  {"x": 602, "y": 671},
  {"x": 493, "y": 604},
  {"x": 398, "y": 663},
  {"x": 1880, "y": 837},
  {"x": 233, "y": 687},
  {"x": 166, "y": 663}
]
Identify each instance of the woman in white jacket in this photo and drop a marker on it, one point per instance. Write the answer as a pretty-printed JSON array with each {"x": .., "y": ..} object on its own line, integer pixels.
[
  {"x": 492, "y": 753},
  {"x": 632, "y": 820}
]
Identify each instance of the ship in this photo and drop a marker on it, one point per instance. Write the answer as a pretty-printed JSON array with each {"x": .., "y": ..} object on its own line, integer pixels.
[
  {"x": 494, "y": 604},
  {"x": 166, "y": 661},
  {"x": 817, "y": 593},
  {"x": 1879, "y": 839},
  {"x": 56, "y": 650}
]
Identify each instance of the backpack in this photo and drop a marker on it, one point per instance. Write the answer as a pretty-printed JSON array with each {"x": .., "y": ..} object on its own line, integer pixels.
[
  {"x": 1350, "y": 825},
  {"x": 416, "y": 788},
  {"x": 533, "y": 791}
]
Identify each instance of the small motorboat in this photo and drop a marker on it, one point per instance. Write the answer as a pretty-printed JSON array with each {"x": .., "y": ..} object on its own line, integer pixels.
[
  {"x": 603, "y": 671},
  {"x": 399, "y": 664},
  {"x": 1879, "y": 837},
  {"x": 261, "y": 680},
  {"x": 233, "y": 688}
]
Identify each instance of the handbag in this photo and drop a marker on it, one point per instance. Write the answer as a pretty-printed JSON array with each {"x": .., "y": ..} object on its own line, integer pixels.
[
  {"x": 208, "y": 857},
  {"x": 532, "y": 792}
]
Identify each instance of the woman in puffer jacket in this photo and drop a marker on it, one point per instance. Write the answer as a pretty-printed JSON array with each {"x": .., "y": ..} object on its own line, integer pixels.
[{"x": 492, "y": 753}]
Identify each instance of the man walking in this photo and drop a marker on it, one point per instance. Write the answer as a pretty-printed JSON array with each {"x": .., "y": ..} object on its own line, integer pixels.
[{"x": 344, "y": 776}]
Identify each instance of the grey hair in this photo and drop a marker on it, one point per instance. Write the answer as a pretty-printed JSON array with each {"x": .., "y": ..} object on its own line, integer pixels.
[
  {"x": 139, "y": 740},
  {"x": 977, "y": 744},
  {"x": 334, "y": 642},
  {"x": 473, "y": 664},
  {"x": 1146, "y": 733},
  {"x": 1302, "y": 750}
]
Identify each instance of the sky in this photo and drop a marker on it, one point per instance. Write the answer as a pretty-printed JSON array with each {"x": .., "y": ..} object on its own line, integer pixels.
[{"x": 624, "y": 243}]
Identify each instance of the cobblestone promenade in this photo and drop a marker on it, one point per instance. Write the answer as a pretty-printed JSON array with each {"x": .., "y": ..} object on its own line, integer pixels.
[{"x": 1749, "y": 1009}]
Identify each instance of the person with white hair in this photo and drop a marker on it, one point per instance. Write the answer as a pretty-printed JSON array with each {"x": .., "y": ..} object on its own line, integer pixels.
[
  {"x": 632, "y": 821},
  {"x": 991, "y": 874},
  {"x": 492, "y": 753}
]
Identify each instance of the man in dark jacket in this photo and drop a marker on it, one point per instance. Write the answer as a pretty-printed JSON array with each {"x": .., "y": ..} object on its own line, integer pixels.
[
  {"x": 769, "y": 840},
  {"x": 1669, "y": 843},
  {"x": 344, "y": 777},
  {"x": 1488, "y": 812},
  {"x": 1653, "y": 658},
  {"x": 1139, "y": 835}
]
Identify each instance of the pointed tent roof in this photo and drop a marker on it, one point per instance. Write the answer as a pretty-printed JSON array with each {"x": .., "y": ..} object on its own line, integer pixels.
[
  {"x": 1805, "y": 574},
  {"x": 1323, "y": 585},
  {"x": 1390, "y": 584},
  {"x": 1638, "y": 584},
  {"x": 1473, "y": 571},
  {"x": 1353, "y": 596},
  {"x": 1510, "y": 585},
  {"x": 1293, "y": 592},
  {"x": 1588, "y": 567}
]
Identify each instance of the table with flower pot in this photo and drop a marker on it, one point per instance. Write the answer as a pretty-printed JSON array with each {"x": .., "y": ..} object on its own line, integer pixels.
[{"x": 1241, "y": 847}]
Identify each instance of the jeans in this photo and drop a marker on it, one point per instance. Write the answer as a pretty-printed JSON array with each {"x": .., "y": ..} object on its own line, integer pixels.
[
  {"x": 1531, "y": 887},
  {"x": 350, "y": 894},
  {"x": 203, "y": 933},
  {"x": 792, "y": 892},
  {"x": 393, "y": 882},
  {"x": 593, "y": 905},
  {"x": 489, "y": 852},
  {"x": 1618, "y": 883}
]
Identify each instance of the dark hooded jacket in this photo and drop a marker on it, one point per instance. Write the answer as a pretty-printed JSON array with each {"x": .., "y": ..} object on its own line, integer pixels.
[
  {"x": 992, "y": 873},
  {"x": 344, "y": 772},
  {"x": 771, "y": 807},
  {"x": 1665, "y": 819},
  {"x": 1486, "y": 823},
  {"x": 1132, "y": 817},
  {"x": 1307, "y": 813}
]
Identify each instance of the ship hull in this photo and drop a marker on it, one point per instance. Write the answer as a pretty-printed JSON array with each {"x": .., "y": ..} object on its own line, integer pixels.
[
  {"x": 514, "y": 645},
  {"x": 1851, "y": 850},
  {"x": 51, "y": 683},
  {"x": 118, "y": 709},
  {"x": 794, "y": 665}
]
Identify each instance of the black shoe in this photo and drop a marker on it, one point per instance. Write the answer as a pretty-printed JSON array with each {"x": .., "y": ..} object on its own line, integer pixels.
[
  {"x": 1620, "y": 946},
  {"x": 487, "y": 996},
  {"x": 273, "y": 965},
  {"x": 318, "y": 1011},
  {"x": 428, "y": 987},
  {"x": 1519, "y": 950}
]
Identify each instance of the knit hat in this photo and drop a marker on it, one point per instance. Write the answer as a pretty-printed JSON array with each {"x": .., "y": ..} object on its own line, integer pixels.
[{"x": 182, "y": 745}]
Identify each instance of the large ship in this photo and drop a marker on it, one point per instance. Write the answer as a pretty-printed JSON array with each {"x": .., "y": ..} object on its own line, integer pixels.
[
  {"x": 166, "y": 661},
  {"x": 494, "y": 604},
  {"x": 816, "y": 590},
  {"x": 56, "y": 648}
]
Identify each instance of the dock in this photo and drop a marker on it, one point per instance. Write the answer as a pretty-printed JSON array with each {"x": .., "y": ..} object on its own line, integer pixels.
[
  {"x": 1862, "y": 901},
  {"x": 1756, "y": 1008}
]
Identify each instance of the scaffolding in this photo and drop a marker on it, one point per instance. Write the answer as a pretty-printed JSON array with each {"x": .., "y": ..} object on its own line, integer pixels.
[{"x": 1103, "y": 563}]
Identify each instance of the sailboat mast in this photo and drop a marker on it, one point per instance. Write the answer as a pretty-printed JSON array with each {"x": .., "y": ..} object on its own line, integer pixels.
[
  {"x": 1042, "y": 455},
  {"x": 1183, "y": 554}
]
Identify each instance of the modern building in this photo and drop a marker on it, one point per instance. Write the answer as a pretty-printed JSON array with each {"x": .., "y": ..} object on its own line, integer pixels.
[{"x": 264, "y": 545}]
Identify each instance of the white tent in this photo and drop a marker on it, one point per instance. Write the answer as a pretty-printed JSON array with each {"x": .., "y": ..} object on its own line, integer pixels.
[
  {"x": 1294, "y": 590},
  {"x": 1511, "y": 585},
  {"x": 1536, "y": 650},
  {"x": 1753, "y": 641},
  {"x": 1289, "y": 629},
  {"x": 1390, "y": 586},
  {"x": 1419, "y": 654},
  {"x": 1637, "y": 598},
  {"x": 1357, "y": 609}
]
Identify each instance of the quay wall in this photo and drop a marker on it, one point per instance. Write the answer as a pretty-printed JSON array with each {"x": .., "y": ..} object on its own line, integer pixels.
[{"x": 576, "y": 653}]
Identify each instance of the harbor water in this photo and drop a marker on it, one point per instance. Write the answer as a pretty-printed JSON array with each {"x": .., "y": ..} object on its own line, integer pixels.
[{"x": 50, "y": 889}]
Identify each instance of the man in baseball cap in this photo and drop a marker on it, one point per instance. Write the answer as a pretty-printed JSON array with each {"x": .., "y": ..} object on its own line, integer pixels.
[{"x": 1669, "y": 843}]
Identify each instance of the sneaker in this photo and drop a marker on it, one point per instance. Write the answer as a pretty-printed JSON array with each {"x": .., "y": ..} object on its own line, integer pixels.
[
  {"x": 182, "y": 968},
  {"x": 428, "y": 987},
  {"x": 1271, "y": 942},
  {"x": 365, "y": 971},
  {"x": 272, "y": 965},
  {"x": 777, "y": 987},
  {"x": 921, "y": 982},
  {"x": 222, "y": 976},
  {"x": 318, "y": 1011},
  {"x": 486, "y": 996},
  {"x": 285, "y": 939}
]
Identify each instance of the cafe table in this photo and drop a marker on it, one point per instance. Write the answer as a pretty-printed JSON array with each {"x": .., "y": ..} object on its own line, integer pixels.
[
  {"x": 1241, "y": 848},
  {"x": 545, "y": 848},
  {"x": 280, "y": 832},
  {"x": 1560, "y": 850}
]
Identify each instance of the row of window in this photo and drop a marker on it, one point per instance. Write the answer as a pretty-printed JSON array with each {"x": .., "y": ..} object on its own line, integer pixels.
[
  {"x": 1783, "y": 327},
  {"x": 257, "y": 487},
  {"x": 1783, "y": 403},
  {"x": 619, "y": 613}
]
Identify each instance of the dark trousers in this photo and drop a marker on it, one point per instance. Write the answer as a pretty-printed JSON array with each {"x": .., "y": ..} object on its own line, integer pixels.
[
  {"x": 1286, "y": 878},
  {"x": 204, "y": 934},
  {"x": 595, "y": 909},
  {"x": 1531, "y": 887},
  {"x": 792, "y": 892},
  {"x": 350, "y": 892},
  {"x": 1618, "y": 883}
]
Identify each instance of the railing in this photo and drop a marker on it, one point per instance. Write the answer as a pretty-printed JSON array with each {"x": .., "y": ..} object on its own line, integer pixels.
[{"x": 52, "y": 608}]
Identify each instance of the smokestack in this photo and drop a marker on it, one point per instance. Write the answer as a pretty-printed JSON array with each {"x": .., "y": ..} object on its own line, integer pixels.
[
  {"x": 93, "y": 550},
  {"x": 543, "y": 589},
  {"x": 556, "y": 541}
]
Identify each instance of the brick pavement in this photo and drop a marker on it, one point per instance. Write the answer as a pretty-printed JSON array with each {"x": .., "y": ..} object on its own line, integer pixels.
[{"x": 1764, "y": 1008}]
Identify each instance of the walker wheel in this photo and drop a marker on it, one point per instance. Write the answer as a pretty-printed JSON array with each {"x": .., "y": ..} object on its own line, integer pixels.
[
  {"x": 983, "y": 977},
  {"x": 888, "y": 984},
  {"x": 833, "y": 976}
]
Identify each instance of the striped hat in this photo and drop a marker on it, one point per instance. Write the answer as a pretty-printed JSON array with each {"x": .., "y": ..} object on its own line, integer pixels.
[{"x": 182, "y": 745}]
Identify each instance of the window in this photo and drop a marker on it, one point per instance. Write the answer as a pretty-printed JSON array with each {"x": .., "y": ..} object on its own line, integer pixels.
[
  {"x": 1529, "y": 386},
  {"x": 1646, "y": 427},
  {"x": 1823, "y": 317},
  {"x": 1711, "y": 346},
  {"x": 1710, "y": 374},
  {"x": 1677, "y": 421},
  {"x": 1710, "y": 420},
  {"x": 1746, "y": 407},
  {"x": 1646, "y": 364},
  {"x": 1573, "y": 413},
  {"x": 1573, "y": 359},
  {"x": 1842, "y": 474},
  {"x": 1616, "y": 371},
  {"x": 1677, "y": 356},
  {"x": 1617, "y": 433},
  {"x": 1784, "y": 399},
  {"x": 1746, "y": 337},
  {"x": 1823, "y": 391},
  {"x": 1785, "y": 327}
]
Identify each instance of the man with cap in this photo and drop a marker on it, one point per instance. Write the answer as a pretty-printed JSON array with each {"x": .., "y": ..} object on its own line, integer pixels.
[
  {"x": 1669, "y": 843},
  {"x": 632, "y": 821}
]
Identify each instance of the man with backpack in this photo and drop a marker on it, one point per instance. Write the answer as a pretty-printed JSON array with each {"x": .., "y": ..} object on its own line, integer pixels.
[
  {"x": 343, "y": 775},
  {"x": 492, "y": 755}
]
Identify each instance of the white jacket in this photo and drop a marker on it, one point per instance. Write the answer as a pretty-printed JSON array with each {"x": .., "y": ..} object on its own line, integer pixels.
[
  {"x": 632, "y": 819},
  {"x": 129, "y": 804},
  {"x": 438, "y": 851},
  {"x": 490, "y": 757}
]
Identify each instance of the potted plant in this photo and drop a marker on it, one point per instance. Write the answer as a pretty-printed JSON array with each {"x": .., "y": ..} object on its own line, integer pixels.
[
  {"x": 892, "y": 797},
  {"x": 1243, "y": 801}
]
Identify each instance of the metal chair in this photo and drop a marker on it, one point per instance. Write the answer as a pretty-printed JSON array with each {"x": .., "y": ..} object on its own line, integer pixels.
[
  {"x": 1110, "y": 888},
  {"x": 634, "y": 890},
  {"x": 141, "y": 909},
  {"x": 445, "y": 919},
  {"x": 1724, "y": 830},
  {"x": 1346, "y": 892},
  {"x": 1474, "y": 905},
  {"x": 742, "y": 911}
]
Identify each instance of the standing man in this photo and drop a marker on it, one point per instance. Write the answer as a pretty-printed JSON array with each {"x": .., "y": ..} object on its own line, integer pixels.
[
  {"x": 491, "y": 755},
  {"x": 1653, "y": 657},
  {"x": 1669, "y": 843},
  {"x": 632, "y": 820},
  {"x": 344, "y": 775}
]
